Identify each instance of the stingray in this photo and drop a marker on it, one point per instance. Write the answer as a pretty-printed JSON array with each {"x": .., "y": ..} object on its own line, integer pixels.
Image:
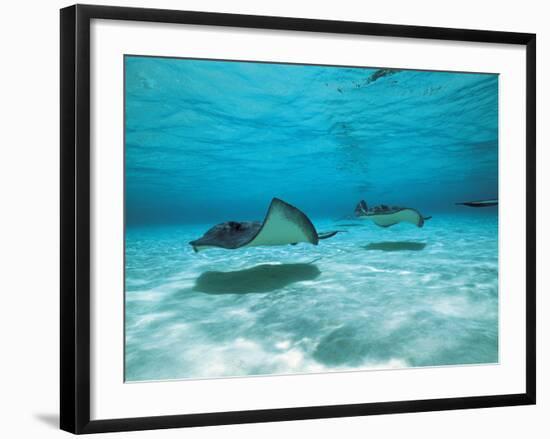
[
  {"x": 283, "y": 224},
  {"x": 386, "y": 216},
  {"x": 481, "y": 203}
]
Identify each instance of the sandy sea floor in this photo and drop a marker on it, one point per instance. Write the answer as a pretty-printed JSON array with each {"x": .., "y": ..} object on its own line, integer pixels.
[{"x": 367, "y": 298}]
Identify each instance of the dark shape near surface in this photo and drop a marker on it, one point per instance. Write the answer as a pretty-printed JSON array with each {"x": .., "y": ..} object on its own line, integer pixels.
[
  {"x": 380, "y": 73},
  {"x": 387, "y": 216},
  {"x": 395, "y": 246},
  {"x": 259, "y": 279},
  {"x": 283, "y": 224},
  {"x": 480, "y": 203}
]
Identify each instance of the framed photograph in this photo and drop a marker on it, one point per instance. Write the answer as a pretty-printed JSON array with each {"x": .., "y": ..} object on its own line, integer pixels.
[{"x": 267, "y": 219}]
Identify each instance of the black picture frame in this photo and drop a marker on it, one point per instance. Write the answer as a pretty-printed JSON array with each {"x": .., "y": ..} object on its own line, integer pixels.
[{"x": 75, "y": 217}]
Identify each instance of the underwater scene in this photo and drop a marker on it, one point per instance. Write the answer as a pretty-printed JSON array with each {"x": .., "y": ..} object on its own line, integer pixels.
[{"x": 288, "y": 219}]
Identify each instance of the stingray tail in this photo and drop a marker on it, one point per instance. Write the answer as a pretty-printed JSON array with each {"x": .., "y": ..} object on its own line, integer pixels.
[{"x": 326, "y": 235}]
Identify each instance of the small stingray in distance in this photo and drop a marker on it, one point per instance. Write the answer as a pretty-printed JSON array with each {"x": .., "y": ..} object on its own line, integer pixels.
[
  {"x": 480, "y": 203},
  {"x": 396, "y": 246},
  {"x": 259, "y": 279},
  {"x": 386, "y": 216},
  {"x": 283, "y": 224}
]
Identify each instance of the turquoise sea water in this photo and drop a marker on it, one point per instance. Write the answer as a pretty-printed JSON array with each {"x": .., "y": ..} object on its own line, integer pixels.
[{"x": 209, "y": 141}]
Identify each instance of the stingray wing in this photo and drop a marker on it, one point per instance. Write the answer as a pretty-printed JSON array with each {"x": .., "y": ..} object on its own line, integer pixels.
[
  {"x": 284, "y": 224},
  {"x": 407, "y": 215},
  {"x": 229, "y": 235}
]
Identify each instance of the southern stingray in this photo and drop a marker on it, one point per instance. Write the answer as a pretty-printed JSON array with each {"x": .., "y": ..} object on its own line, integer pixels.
[
  {"x": 386, "y": 216},
  {"x": 283, "y": 224},
  {"x": 481, "y": 203}
]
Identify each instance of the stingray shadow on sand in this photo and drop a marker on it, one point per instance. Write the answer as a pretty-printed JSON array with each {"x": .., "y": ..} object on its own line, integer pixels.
[
  {"x": 396, "y": 246},
  {"x": 259, "y": 279}
]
